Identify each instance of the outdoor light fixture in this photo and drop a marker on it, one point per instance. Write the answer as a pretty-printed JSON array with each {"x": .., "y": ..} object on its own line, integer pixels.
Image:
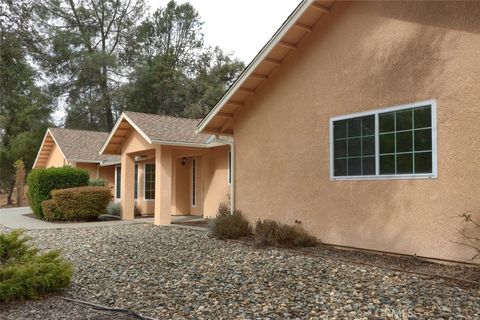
[{"x": 184, "y": 161}]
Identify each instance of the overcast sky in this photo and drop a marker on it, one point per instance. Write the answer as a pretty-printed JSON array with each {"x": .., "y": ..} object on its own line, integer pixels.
[{"x": 239, "y": 26}]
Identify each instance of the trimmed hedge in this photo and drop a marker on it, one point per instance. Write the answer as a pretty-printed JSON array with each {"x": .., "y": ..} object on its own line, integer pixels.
[
  {"x": 25, "y": 273},
  {"x": 42, "y": 181},
  {"x": 82, "y": 203},
  {"x": 272, "y": 233}
]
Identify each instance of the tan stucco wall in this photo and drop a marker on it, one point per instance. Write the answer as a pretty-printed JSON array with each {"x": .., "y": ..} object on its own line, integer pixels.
[
  {"x": 55, "y": 159},
  {"x": 365, "y": 56},
  {"x": 90, "y": 167},
  {"x": 108, "y": 174},
  {"x": 216, "y": 186}
]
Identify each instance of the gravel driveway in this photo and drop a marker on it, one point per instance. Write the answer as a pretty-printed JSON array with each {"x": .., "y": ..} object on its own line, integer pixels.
[{"x": 171, "y": 273}]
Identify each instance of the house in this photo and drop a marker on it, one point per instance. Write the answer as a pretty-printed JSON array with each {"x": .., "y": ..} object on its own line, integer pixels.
[
  {"x": 360, "y": 121},
  {"x": 166, "y": 168},
  {"x": 77, "y": 148}
]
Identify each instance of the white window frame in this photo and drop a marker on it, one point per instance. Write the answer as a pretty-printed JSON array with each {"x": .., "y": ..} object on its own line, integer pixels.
[
  {"x": 145, "y": 181},
  {"x": 376, "y": 112},
  {"x": 116, "y": 184},
  {"x": 229, "y": 166},
  {"x": 194, "y": 183}
]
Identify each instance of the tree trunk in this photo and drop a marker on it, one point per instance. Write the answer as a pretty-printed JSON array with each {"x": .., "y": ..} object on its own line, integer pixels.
[
  {"x": 106, "y": 103},
  {"x": 10, "y": 193}
]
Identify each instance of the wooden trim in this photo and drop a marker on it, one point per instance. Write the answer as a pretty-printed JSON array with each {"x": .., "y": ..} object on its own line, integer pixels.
[
  {"x": 225, "y": 125},
  {"x": 273, "y": 61},
  {"x": 320, "y": 7},
  {"x": 259, "y": 76},
  {"x": 235, "y": 103},
  {"x": 303, "y": 27},
  {"x": 224, "y": 115},
  {"x": 286, "y": 44},
  {"x": 246, "y": 90}
]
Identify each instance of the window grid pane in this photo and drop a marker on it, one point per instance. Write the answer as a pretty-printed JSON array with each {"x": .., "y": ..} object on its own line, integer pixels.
[
  {"x": 354, "y": 146},
  {"x": 149, "y": 181},
  {"x": 400, "y": 148}
]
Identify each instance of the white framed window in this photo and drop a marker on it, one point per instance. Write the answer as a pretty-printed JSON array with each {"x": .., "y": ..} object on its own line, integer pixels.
[
  {"x": 194, "y": 183},
  {"x": 397, "y": 142},
  {"x": 229, "y": 174},
  {"x": 149, "y": 179},
  {"x": 135, "y": 186},
  {"x": 118, "y": 182}
]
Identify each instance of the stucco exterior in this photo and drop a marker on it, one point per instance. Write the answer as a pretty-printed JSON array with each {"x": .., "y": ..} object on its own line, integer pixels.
[
  {"x": 55, "y": 158},
  {"x": 173, "y": 178},
  {"x": 364, "y": 56}
]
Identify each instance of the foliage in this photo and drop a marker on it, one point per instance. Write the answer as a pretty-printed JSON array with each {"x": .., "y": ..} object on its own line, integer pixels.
[
  {"x": 114, "y": 209},
  {"x": 175, "y": 73},
  {"x": 42, "y": 181},
  {"x": 20, "y": 180},
  {"x": 471, "y": 234},
  {"x": 227, "y": 225},
  {"x": 87, "y": 52},
  {"x": 73, "y": 204},
  {"x": 272, "y": 233},
  {"x": 24, "y": 110},
  {"x": 25, "y": 273},
  {"x": 97, "y": 183}
]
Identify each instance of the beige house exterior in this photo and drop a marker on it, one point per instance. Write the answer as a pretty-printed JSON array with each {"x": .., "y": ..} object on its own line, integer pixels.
[
  {"x": 166, "y": 168},
  {"x": 77, "y": 148},
  {"x": 360, "y": 120}
]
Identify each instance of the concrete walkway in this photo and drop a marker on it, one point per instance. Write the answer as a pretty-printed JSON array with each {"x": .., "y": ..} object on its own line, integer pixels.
[{"x": 17, "y": 218}]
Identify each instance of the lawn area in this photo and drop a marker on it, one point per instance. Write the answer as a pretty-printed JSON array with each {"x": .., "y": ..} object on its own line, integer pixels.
[{"x": 166, "y": 272}]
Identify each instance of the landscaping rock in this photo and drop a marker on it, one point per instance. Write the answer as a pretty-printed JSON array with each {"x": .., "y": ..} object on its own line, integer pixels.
[{"x": 171, "y": 273}]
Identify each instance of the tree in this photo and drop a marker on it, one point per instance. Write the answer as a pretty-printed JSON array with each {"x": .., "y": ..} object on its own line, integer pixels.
[
  {"x": 24, "y": 109},
  {"x": 19, "y": 180},
  {"x": 175, "y": 73},
  {"x": 88, "y": 46}
]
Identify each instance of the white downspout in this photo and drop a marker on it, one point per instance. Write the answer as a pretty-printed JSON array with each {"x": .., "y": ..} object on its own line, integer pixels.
[{"x": 232, "y": 170}]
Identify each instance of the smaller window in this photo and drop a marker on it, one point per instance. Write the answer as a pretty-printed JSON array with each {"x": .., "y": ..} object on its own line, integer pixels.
[
  {"x": 229, "y": 167},
  {"x": 135, "y": 188},
  {"x": 118, "y": 181},
  {"x": 194, "y": 195},
  {"x": 149, "y": 181}
]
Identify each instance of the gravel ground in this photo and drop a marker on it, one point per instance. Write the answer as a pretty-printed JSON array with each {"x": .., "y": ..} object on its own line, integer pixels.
[{"x": 171, "y": 273}]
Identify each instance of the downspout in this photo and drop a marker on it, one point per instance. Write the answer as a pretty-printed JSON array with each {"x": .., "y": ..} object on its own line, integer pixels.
[{"x": 232, "y": 170}]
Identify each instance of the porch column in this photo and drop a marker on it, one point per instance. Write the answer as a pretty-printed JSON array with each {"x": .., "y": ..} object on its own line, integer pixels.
[
  {"x": 163, "y": 185},
  {"x": 127, "y": 185}
]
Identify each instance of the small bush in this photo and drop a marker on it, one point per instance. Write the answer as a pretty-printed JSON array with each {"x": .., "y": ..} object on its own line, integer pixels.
[
  {"x": 272, "y": 233},
  {"x": 114, "y": 208},
  {"x": 82, "y": 203},
  {"x": 228, "y": 225},
  {"x": 97, "y": 183},
  {"x": 25, "y": 273},
  {"x": 50, "y": 210},
  {"x": 42, "y": 181}
]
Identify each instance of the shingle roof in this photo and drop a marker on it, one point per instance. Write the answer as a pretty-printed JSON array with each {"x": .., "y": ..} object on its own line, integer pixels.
[
  {"x": 82, "y": 144},
  {"x": 167, "y": 128}
]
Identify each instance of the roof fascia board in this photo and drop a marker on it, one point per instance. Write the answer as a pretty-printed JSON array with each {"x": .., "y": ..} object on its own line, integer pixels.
[
  {"x": 130, "y": 121},
  {"x": 186, "y": 144},
  {"x": 255, "y": 62},
  {"x": 56, "y": 143}
]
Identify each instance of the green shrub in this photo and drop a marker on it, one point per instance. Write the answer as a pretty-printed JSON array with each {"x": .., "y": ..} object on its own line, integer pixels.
[
  {"x": 228, "y": 225},
  {"x": 114, "y": 208},
  {"x": 42, "y": 181},
  {"x": 272, "y": 233},
  {"x": 50, "y": 210},
  {"x": 25, "y": 273},
  {"x": 82, "y": 203},
  {"x": 97, "y": 183}
]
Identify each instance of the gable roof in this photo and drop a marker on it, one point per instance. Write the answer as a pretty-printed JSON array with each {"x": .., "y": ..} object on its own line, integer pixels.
[
  {"x": 155, "y": 129},
  {"x": 288, "y": 38},
  {"x": 75, "y": 145}
]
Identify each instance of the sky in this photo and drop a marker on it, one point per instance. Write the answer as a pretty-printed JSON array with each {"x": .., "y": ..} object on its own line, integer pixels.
[{"x": 241, "y": 27}]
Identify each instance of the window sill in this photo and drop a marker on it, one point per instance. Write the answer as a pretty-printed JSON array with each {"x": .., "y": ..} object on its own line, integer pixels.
[{"x": 388, "y": 177}]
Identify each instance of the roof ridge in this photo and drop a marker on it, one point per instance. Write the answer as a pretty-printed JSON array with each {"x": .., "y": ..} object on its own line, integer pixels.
[
  {"x": 161, "y": 115},
  {"x": 83, "y": 130}
]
